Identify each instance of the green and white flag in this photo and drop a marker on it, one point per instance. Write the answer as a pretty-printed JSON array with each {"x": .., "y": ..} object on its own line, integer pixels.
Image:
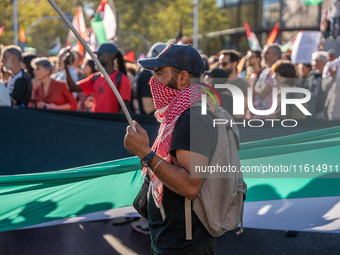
[{"x": 105, "y": 22}]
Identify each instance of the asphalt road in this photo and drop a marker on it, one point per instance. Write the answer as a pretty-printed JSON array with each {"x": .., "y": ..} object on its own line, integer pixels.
[{"x": 103, "y": 238}]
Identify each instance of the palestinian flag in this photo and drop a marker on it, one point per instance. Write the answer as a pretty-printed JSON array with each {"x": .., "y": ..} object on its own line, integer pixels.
[
  {"x": 91, "y": 39},
  {"x": 79, "y": 24},
  {"x": 105, "y": 23},
  {"x": 273, "y": 34},
  {"x": 252, "y": 39},
  {"x": 23, "y": 43},
  {"x": 288, "y": 45},
  {"x": 294, "y": 184}
]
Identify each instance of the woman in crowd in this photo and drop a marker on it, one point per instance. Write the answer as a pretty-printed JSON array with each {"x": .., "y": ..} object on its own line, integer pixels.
[
  {"x": 51, "y": 94},
  {"x": 285, "y": 75},
  {"x": 27, "y": 58},
  {"x": 88, "y": 68}
]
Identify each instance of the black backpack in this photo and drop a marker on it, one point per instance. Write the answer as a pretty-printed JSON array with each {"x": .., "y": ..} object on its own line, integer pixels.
[{"x": 118, "y": 78}]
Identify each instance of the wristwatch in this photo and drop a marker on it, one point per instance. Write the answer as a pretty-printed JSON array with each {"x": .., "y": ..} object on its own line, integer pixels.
[{"x": 147, "y": 159}]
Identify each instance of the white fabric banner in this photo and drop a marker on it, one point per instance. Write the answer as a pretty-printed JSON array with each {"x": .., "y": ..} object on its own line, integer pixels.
[{"x": 305, "y": 44}]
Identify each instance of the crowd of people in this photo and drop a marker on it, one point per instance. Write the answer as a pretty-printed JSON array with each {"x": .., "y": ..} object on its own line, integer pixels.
[
  {"x": 163, "y": 82},
  {"x": 70, "y": 82},
  {"x": 330, "y": 20}
]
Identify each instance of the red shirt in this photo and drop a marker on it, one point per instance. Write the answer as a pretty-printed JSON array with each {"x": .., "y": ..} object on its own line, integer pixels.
[
  {"x": 104, "y": 98},
  {"x": 57, "y": 94}
]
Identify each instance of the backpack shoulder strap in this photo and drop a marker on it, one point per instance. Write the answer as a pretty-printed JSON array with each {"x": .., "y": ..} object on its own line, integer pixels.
[
  {"x": 118, "y": 79},
  {"x": 95, "y": 77},
  {"x": 188, "y": 222}
]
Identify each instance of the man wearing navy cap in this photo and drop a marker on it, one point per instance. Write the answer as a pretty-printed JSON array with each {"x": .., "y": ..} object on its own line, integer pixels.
[
  {"x": 104, "y": 98},
  {"x": 145, "y": 101},
  {"x": 174, "y": 92}
]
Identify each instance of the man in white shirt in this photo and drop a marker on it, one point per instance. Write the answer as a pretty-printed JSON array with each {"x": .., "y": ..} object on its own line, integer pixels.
[
  {"x": 19, "y": 86},
  {"x": 331, "y": 83},
  {"x": 335, "y": 16},
  {"x": 5, "y": 99}
]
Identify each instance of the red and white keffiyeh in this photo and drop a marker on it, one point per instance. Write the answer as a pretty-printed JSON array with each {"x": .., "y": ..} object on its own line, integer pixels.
[{"x": 170, "y": 104}]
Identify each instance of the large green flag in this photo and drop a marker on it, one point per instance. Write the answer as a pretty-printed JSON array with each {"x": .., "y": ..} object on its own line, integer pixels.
[
  {"x": 31, "y": 199},
  {"x": 313, "y": 187}
]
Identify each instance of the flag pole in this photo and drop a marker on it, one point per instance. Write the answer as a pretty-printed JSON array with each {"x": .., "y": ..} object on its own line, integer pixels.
[
  {"x": 195, "y": 25},
  {"x": 15, "y": 22},
  {"x": 99, "y": 65}
]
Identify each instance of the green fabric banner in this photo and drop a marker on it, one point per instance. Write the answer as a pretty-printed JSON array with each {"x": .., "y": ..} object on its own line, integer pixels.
[
  {"x": 313, "y": 2},
  {"x": 37, "y": 198},
  {"x": 296, "y": 166}
]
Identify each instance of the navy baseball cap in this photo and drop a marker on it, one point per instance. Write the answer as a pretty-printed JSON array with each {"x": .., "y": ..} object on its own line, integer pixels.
[
  {"x": 108, "y": 47},
  {"x": 182, "y": 57}
]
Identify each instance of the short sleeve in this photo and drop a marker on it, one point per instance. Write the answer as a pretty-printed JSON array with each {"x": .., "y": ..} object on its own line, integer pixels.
[
  {"x": 20, "y": 89},
  {"x": 194, "y": 132},
  {"x": 5, "y": 100},
  {"x": 86, "y": 85}
]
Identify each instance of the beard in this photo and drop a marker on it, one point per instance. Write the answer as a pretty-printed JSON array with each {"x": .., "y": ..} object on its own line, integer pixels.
[{"x": 173, "y": 81}]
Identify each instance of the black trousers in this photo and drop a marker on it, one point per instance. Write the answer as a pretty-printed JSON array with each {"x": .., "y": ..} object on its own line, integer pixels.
[{"x": 207, "y": 248}]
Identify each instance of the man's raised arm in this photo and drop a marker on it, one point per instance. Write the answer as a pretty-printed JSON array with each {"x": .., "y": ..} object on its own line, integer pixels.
[{"x": 73, "y": 87}]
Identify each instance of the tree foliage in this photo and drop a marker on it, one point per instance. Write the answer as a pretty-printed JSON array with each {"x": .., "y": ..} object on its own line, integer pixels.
[
  {"x": 155, "y": 20},
  {"x": 158, "y": 20}
]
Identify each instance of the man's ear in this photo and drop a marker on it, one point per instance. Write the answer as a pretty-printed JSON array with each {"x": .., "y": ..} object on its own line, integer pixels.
[{"x": 183, "y": 80}]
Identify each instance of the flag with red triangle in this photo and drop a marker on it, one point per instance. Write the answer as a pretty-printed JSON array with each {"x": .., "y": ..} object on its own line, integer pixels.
[
  {"x": 273, "y": 34},
  {"x": 287, "y": 46},
  {"x": 79, "y": 24},
  {"x": 23, "y": 43},
  {"x": 252, "y": 39}
]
